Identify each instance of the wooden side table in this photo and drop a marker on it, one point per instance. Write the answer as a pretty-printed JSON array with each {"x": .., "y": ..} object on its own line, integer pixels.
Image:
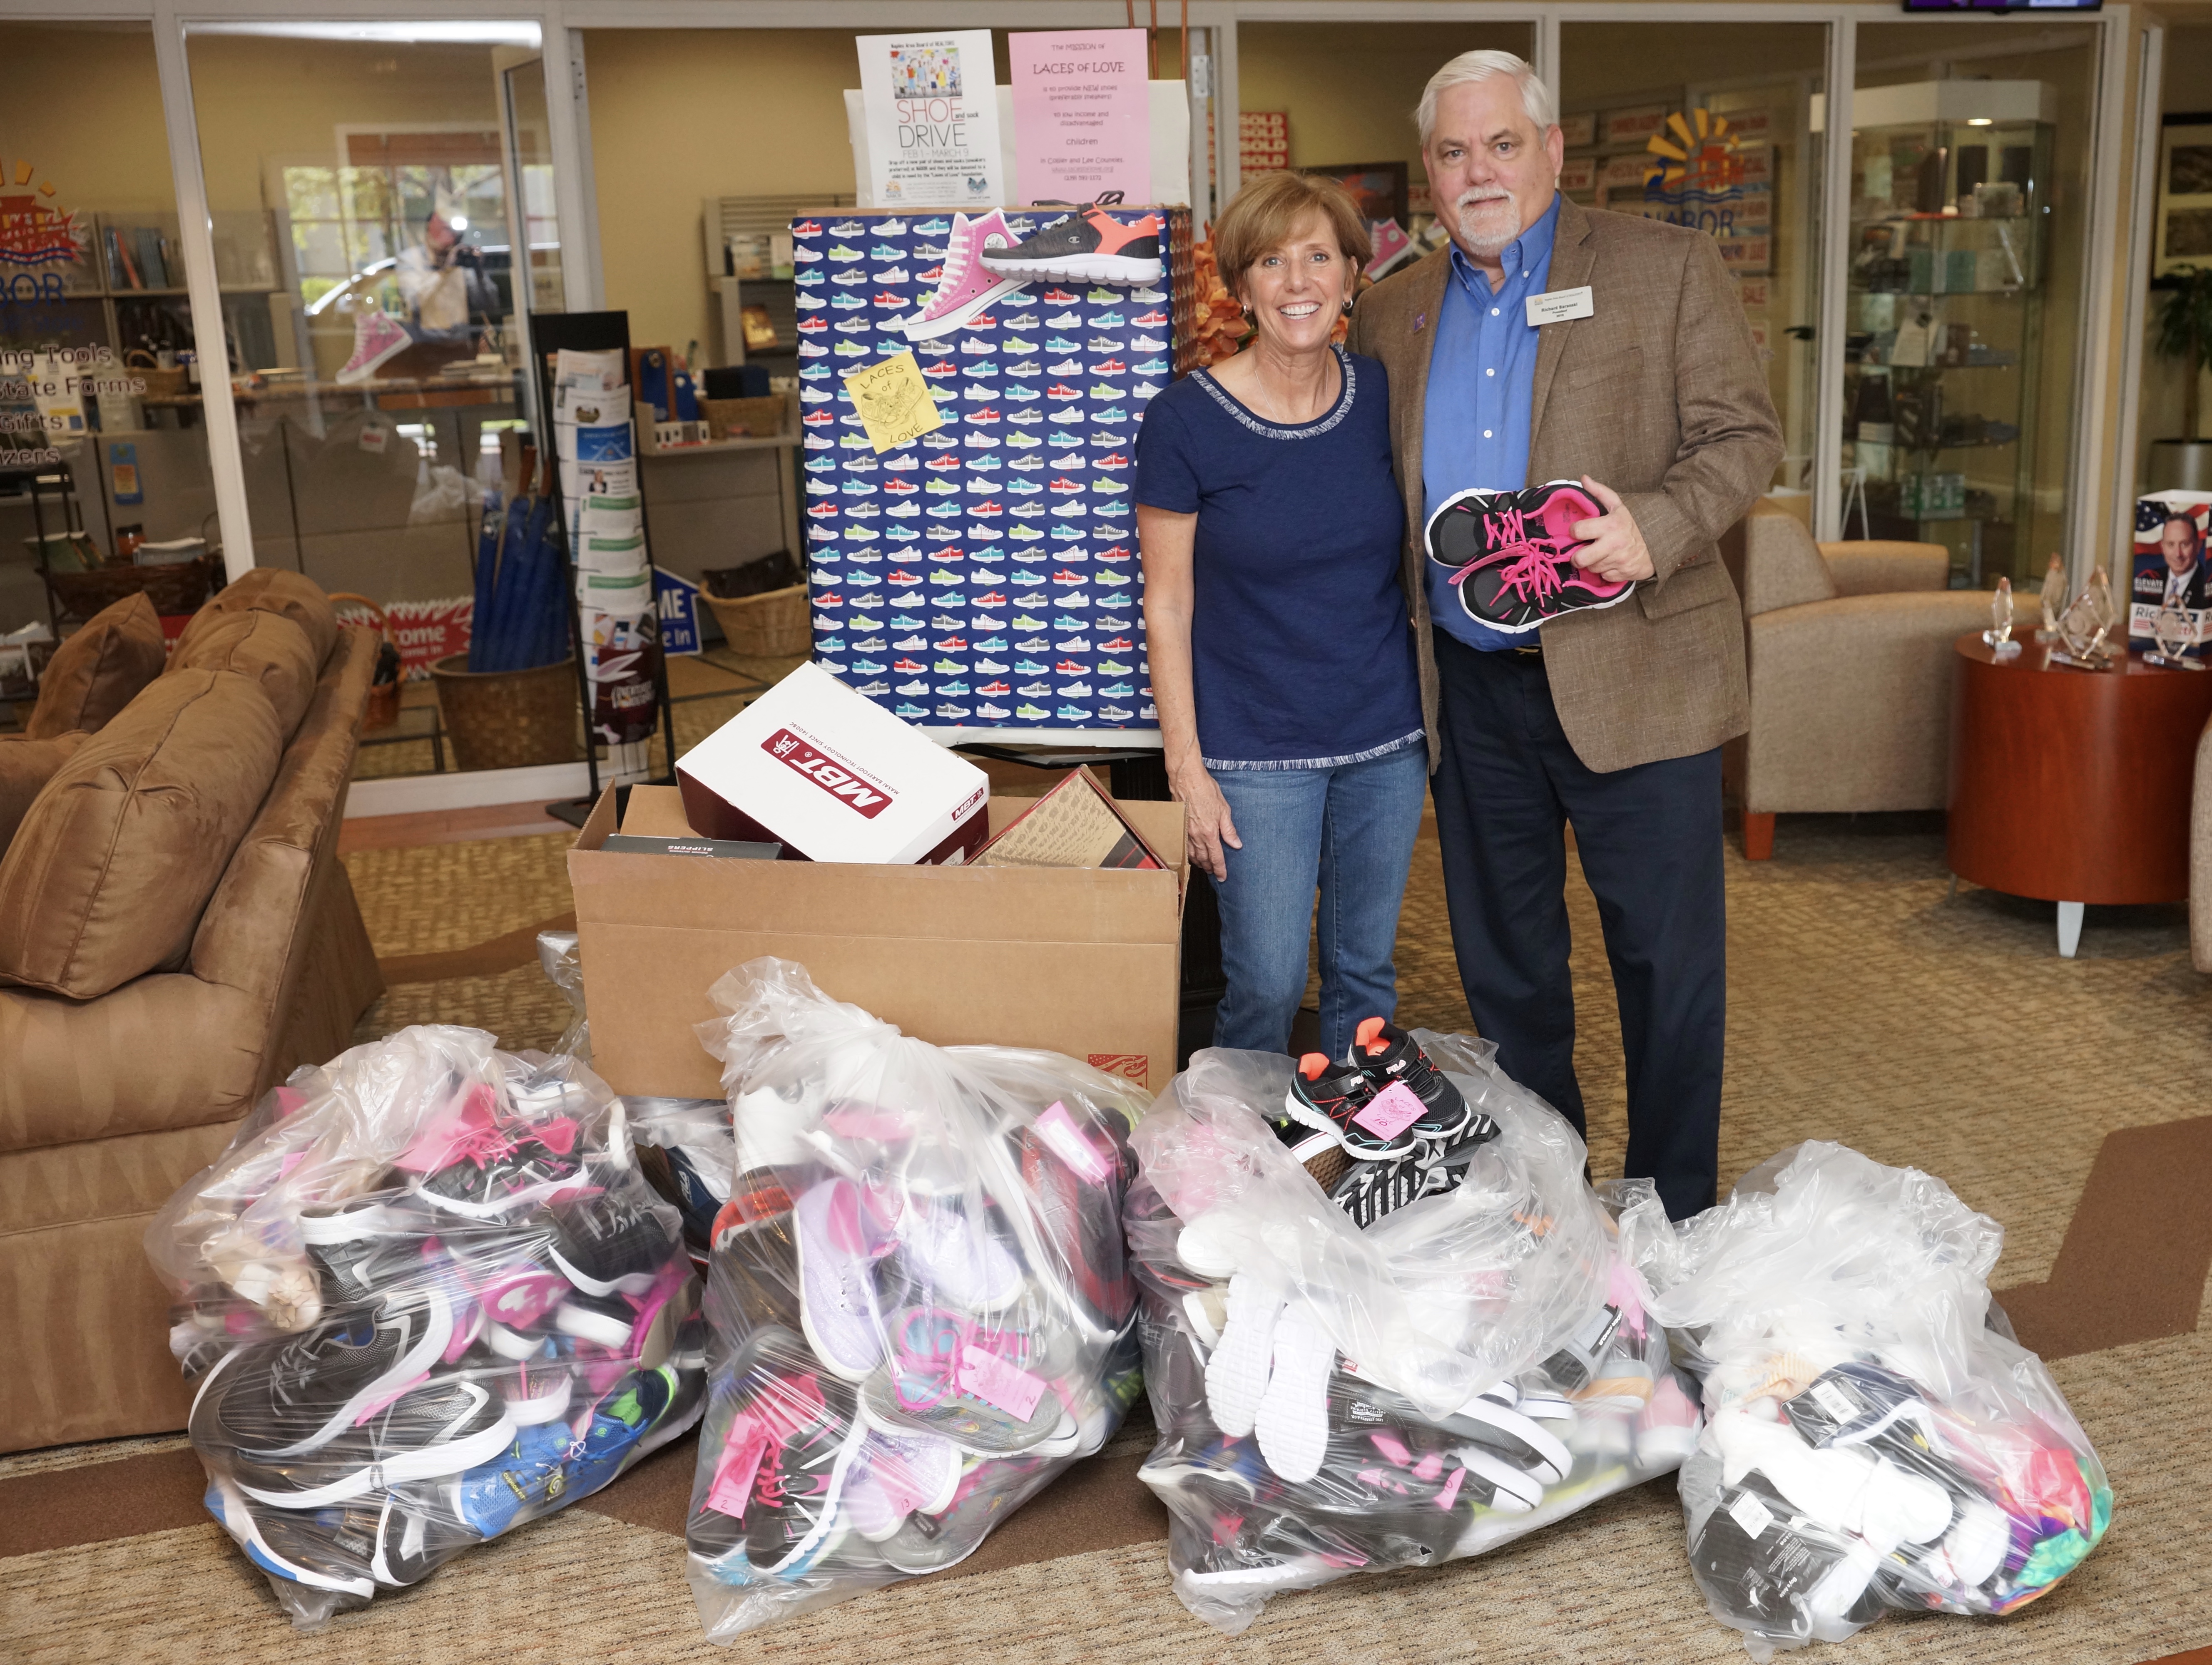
[{"x": 2072, "y": 787}]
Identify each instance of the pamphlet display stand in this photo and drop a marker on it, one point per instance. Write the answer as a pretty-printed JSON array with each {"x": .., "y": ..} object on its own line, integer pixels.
[{"x": 550, "y": 333}]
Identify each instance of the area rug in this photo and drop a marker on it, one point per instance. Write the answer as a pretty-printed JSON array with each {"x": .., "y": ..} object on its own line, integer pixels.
[{"x": 1869, "y": 1003}]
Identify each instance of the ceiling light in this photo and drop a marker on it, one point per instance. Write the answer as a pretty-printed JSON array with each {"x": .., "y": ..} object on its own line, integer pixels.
[
  {"x": 1979, "y": 121},
  {"x": 424, "y": 32}
]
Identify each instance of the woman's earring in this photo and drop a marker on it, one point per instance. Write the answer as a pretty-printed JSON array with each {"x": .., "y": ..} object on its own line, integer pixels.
[{"x": 1347, "y": 306}]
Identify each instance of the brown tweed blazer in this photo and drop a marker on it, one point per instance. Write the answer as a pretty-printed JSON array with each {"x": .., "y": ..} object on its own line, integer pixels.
[{"x": 1658, "y": 394}]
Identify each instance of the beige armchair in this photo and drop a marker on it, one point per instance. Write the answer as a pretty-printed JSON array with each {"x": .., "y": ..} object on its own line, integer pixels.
[
  {"x": 1850, "y": 656},
  {"x": 2200, "y": 857}
]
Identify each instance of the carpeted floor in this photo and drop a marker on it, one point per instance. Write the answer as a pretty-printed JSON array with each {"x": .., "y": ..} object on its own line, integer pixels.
[{"x": 1868, "y": 1003}]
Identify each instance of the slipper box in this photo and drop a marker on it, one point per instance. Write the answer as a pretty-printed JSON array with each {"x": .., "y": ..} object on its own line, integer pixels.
[{"x": 1085, "y": 961}]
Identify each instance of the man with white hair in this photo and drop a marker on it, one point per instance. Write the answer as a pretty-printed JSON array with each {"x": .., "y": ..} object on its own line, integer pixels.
[{"x": 1549, "y": 343}]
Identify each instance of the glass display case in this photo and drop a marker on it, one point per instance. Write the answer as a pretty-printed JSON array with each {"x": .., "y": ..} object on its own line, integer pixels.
[{"x": 1949, "y": 240}]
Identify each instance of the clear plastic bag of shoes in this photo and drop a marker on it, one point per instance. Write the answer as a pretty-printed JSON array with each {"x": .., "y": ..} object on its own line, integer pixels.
[
  {"x": 427, "y": 1297},
  {"x": 1443, "y": 1354},
  {"x": 1875, "y": 1440},
  {"x": 918, "y": 1295}
]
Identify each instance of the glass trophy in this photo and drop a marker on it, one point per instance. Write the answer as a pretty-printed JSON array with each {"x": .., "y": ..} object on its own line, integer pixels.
[
  {"x": 1999, "y": 634},
  {"x": 2086, "y": 624},
  {"x": 2175, "y": 631},
  {"x": 2053, "y": 600}
]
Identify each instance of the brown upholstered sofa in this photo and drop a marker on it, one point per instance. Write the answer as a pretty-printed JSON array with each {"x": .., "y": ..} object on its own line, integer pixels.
[
  {"x": 177, "y": 934},
  {"x": 1850, "y": 659}
]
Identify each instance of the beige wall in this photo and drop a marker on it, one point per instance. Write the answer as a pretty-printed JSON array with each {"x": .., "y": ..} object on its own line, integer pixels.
[
  {"x": 681, "y": 115},
  {"x": 260, "y": 101},
  {"x": 1350, "y": 88},
  {"x": 83, "y": 104}
]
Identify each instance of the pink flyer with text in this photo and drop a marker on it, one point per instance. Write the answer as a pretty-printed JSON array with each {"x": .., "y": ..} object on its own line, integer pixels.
[{"x": 1082, "y": 116}]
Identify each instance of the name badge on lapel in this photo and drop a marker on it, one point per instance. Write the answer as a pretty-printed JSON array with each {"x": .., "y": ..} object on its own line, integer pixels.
[{"x": 1559, "y": 305}]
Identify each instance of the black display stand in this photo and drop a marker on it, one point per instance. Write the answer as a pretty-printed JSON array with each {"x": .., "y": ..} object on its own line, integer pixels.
[{"x": 595, "y": 332}]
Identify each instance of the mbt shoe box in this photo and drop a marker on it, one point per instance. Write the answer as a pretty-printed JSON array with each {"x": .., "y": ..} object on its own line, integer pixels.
[{"x": 833, "y": 776}]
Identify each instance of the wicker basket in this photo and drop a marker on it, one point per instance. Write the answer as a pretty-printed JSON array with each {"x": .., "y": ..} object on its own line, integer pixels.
[
  {"x": 762, "y": 418},
  {"x": 507, "y": 718},
  {"x": 159, "y": 384},
  {"x": 383, "y": 696},
  {"x": 178, "y": 589},
  {"x": 773, "y": 626}
]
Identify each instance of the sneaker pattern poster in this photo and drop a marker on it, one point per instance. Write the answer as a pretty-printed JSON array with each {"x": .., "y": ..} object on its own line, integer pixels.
[
  {"x": 931, "y": 102},
  {"x": 984, "y": 576}
]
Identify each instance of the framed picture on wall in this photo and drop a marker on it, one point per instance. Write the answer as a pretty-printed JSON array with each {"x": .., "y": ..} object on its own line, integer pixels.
[
  {"x": 2184, "y": 194},
  {"x": 1379, "y": 188}
]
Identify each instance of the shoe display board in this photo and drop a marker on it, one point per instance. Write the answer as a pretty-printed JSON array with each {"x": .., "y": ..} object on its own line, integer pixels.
[{"x": 983, "y": 578}]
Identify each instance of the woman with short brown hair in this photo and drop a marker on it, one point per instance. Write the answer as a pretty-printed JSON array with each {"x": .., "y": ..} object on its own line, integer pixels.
[{"x": 1281, "y": 653}]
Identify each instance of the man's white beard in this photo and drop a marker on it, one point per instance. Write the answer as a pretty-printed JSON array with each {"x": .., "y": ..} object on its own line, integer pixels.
[{"x": 1488, "y": 225}]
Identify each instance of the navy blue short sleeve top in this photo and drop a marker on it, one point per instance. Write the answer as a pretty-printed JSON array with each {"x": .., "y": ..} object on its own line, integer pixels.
[{"x": 1302, "y": 655}]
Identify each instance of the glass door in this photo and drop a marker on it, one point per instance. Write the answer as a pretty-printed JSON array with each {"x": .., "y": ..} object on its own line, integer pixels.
[
  {"x": 1710, "y": 125},
  {"x": 1969, "y": 176}
]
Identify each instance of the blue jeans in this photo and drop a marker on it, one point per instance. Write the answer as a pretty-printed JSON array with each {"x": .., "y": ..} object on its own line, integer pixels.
[{"x": 1349, "y": 829}]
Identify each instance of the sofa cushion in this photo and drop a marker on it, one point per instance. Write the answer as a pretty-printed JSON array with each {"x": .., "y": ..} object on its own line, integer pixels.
[
  {"x": 106, "y": 877},
  {"x": 26, "y": 766},
  {"x": 1782, "y": 564},
  {"x": 1882, "y": 566},
  {"x": 99, "y": 671},
  {"x": 273, "y": 590},
  {"x": 265, "y": 647}
]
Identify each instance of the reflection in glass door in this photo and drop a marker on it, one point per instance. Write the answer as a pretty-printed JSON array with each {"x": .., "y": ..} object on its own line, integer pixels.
[
  {"x": 1709, "y": 124},
  {"x": 1969, "y": 173}
]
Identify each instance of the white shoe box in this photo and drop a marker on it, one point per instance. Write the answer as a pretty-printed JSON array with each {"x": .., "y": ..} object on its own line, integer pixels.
[{"x": 833, "y": 776}]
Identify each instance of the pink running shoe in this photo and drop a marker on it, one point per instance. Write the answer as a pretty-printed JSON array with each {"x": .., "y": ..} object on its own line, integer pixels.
[
  {"x": 1393, "y": 248},
  {"x": 377, "y": 337},
  {"x": 1511, "y": 554},
  {"x": 969, "y": 286}
]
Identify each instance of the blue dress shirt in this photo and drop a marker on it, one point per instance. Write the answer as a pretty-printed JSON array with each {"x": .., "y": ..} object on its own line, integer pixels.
[{"x": 1481, "y": 399}]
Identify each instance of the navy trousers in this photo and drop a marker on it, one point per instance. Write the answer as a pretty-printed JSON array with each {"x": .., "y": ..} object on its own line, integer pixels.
[{"x": 1649, "y": 837}]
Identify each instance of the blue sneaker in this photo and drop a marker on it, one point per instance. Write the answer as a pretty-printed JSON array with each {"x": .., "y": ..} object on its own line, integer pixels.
[
  {"x": 531, "y": 1476},
  {"x": 633, "y": 1408}
]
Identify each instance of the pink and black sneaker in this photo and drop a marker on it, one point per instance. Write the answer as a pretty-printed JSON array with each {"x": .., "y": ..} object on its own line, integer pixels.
[
  {"x": 1511, "y": 554},
  {"x": 968, "y": 285}
]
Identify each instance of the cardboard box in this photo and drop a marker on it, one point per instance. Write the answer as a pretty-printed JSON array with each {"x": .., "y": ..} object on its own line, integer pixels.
[
  {"x": 832, "y": 776},
  {"x": 1083, "y": 962}
]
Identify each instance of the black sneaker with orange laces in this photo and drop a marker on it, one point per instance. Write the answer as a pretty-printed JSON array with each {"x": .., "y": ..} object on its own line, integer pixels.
[
  {"x": 1331, "y": 1098},
  {"x": 1385, "y": 1055},
  {"x": 1087, "y": 247}
]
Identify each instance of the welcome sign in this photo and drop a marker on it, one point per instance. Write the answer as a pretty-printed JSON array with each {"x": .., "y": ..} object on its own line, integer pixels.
[{"x": 931, "y": 102}]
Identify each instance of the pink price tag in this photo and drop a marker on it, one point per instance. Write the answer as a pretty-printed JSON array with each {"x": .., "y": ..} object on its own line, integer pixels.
[
  {"x": 1059, "y": 1132},
  {"x": 1391, "y": 1111},
  {"x": 733, "y": 1480},
  {"x": 995, "y": 1382}
]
